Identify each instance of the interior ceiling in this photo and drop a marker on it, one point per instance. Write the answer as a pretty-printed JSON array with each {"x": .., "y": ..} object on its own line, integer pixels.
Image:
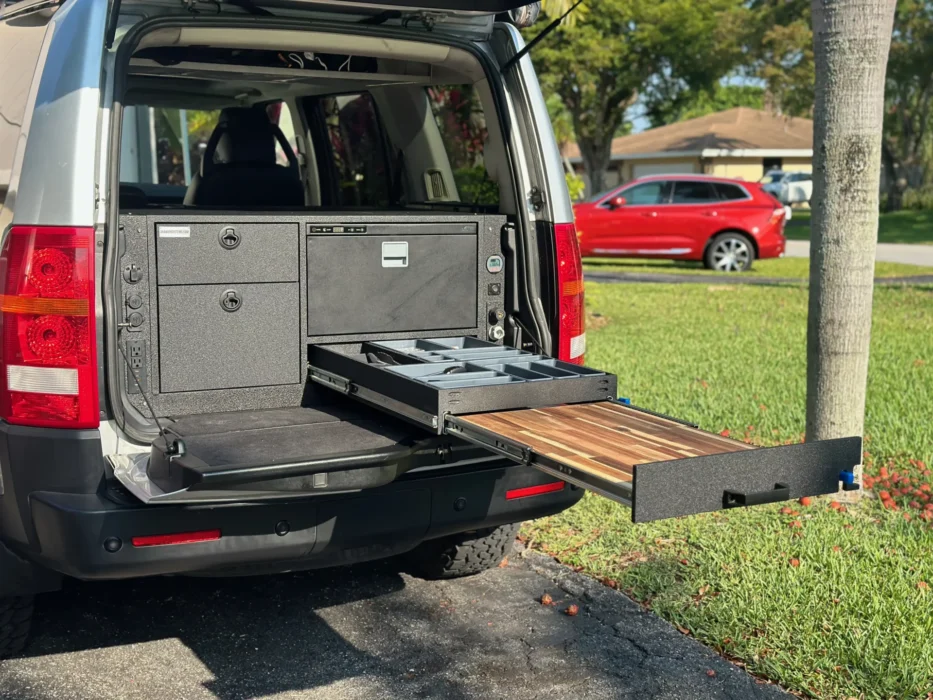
[{"x": 193, "y": 92}]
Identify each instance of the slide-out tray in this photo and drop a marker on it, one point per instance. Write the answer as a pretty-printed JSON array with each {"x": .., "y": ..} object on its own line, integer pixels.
[
  {"x": 660, "y": 467},
  {"x": 563, "y": 419},
  {"x": 424, "y": 380}
]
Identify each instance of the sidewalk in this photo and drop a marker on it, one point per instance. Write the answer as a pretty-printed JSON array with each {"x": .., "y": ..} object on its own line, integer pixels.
[{"x": 910, "y": 254}]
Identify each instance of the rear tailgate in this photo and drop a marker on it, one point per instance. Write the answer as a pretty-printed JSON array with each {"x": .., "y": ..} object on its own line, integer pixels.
[{"x": 561, "y": 419}]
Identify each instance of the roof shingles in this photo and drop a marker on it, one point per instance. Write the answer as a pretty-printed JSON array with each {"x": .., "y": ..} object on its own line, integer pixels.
[{"x": 740, "y": 128}]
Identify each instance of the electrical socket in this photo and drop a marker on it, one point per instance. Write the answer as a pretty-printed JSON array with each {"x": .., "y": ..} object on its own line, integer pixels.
[{"x": 136, "y": 352}]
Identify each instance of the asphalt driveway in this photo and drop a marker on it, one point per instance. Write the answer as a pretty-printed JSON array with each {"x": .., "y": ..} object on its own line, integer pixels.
[{"x": 365, "y": 632}]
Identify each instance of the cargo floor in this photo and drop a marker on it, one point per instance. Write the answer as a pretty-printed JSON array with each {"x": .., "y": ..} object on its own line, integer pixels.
[{"x": 283, "y": 435}]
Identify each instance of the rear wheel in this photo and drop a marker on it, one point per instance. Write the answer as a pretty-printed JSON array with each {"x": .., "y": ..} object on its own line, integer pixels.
[
  {"x": 15, "y": 616},
  {"x": 729, "y": 252},
  {"x": 465, "y": 554}
]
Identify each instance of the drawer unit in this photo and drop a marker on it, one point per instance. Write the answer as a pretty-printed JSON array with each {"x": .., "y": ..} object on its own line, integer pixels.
[
  {"x": 564, "y": 420},
  {"x": 384, "y": 284},
  {"x": 228, "y": 336},
  {"x": 218, "y": 253},
  {"x": 425, "y": 380}
]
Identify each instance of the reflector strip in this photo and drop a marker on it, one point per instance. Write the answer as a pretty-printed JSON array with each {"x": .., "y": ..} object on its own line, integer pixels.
[
  {"x": 40, "y": 307},
  {"x": 176, "y": 538},
  {"x": 577, "y": 345},
  {"x": 539, "y": 490},
  {"x": 42, "y": 380}
]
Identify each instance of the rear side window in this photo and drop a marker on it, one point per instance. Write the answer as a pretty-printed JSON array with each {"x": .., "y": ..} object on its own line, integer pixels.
[
  {"x": 648, "y": 193},
  {"x": 693, "y": 192},
  {"x": 729, "y": 193},
  {"x": 461, "y": 121},
  {"x": 355, "y": 151},
  {"x": 181, "y": 137}
]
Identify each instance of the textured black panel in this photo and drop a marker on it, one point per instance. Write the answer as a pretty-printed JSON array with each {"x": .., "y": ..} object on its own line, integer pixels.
[
  {"x": 264, "y": 252},
  {"x": 202, "y": 346},
  {"x": 207, "y": 423},
  {"x": 291, "y": 443},
  {"x": 351, "y": 291},
  {"x": 696, "y": 485}
]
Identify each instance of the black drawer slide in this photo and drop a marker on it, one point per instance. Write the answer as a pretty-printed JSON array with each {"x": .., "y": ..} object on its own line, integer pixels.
[{"x": 564, "y": 420}]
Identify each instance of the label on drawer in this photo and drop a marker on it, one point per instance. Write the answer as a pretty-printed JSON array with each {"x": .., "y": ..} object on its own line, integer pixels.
[{"x": 174, "y": 231}]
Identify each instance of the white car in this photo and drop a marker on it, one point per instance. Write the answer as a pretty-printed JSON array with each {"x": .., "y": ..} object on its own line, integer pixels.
[{"x": 789, "y": 188}]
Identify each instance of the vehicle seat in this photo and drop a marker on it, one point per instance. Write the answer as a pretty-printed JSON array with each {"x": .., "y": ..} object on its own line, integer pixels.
[{"x": 239, "y": 169}]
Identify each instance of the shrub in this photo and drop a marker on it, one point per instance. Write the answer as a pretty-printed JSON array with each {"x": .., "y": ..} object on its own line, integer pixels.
[
  {"x": 474, "y": 185},
  {"x": 575, "y": 186},
  {"x": 918, "y": 198}
]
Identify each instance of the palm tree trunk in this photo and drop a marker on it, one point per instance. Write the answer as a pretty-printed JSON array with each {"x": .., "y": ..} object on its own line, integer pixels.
[{"x": 851, "y": 42}]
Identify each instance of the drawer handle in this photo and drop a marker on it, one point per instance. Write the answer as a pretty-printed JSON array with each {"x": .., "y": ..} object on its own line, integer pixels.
[
  {"x": 739, "y": 499},
  {"x": 229, "y": 238},
  {"x": 230, "y": 301}
]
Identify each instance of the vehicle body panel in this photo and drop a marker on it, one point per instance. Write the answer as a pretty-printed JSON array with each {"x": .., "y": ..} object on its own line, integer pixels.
[{"x": 668, "y": 229}]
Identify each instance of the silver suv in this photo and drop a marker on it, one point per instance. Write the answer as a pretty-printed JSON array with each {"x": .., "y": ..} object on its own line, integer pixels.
[
  {"x": 291, "y": 284},
  {"x": 196, "y": 192}
]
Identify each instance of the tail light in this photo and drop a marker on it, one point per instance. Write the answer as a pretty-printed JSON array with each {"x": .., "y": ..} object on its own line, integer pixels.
[
  {"x": 776, "y": 216},
  {"x": 571, "y": 333},
  {"x": 48, "y": 362}
]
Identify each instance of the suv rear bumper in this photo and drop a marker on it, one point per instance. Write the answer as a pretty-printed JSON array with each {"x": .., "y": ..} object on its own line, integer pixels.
[{"x": 67, "y": 531}]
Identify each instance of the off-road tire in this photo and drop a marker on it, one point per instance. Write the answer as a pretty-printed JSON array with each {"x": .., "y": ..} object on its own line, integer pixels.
[
  {"x": 15, "y": 617},
  {"x": 465, "y": 554}
]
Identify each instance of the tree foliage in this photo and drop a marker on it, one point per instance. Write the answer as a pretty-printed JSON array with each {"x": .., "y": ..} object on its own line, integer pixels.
[
  {"x": 907, "y": 148},
  {"x": 697, "y": 103},
  {"x": 623, "y": 48}
]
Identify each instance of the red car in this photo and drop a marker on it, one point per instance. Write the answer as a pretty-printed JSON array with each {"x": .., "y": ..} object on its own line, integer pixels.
[{"x": 725, "y": 223}]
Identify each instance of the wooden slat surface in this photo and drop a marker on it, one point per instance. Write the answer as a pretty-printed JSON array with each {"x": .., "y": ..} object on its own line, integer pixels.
[{"x": 606, "y": 439}]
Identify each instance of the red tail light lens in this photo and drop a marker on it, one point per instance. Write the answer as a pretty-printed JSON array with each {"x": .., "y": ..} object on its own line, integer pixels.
[
  {"x": 48, "y": 362},
  {"x": 571, "y": 339}
]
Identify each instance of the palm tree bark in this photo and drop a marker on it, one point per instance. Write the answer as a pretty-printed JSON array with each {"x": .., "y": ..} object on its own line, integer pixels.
[{"x": 851, "y": 42}]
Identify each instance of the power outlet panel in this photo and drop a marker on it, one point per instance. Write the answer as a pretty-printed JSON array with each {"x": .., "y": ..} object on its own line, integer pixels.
[{"x": 136, "y": 354}]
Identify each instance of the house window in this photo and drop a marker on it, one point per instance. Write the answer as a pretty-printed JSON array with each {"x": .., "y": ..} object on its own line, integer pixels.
[{"x": 771, "y": 164}]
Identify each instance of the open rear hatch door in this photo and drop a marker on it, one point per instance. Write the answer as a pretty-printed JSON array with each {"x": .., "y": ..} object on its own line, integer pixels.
[{"x": 563, "y": 419}]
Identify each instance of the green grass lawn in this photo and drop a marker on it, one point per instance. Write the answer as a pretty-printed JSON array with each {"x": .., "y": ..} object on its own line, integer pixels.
[
  {"x": 828, "y": 603},
  {"x": 796, "y": 268},
  {"x": 906, "y": 226}
]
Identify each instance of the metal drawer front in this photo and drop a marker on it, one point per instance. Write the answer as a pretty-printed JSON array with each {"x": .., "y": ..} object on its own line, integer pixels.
[
  {"x": 220, "y": 253},
  {"x": 206, "y": 343}
]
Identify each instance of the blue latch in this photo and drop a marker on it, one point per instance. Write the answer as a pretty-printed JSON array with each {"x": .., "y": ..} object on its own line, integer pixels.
[
  {"x": 624, "y": 401},
  {"x": 848, "y": 481}
]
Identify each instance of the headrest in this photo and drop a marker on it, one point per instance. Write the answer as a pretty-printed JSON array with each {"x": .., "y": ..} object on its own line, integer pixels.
[{"x": 243, "y": 135}]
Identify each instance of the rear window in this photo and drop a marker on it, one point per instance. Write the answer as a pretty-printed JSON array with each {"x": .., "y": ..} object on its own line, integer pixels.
[
  {"x": 358, "y": 151},
  {"x": 180, "y": 137},
  {"x": 693, "y": 192},
  {"x": 462, "y": 123},
  {"x": 728, "y": 192}
]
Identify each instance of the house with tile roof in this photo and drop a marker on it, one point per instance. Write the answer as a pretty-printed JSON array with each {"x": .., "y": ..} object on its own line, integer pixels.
[{"x": 741, "y": 143}]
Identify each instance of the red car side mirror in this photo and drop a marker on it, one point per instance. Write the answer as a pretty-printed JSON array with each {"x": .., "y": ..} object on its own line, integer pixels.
[{"x": 617, "y": 202}]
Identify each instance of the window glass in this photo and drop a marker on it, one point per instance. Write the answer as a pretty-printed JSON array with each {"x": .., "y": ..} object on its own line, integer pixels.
[
  {"x": 181, "y": 138},
  {"x": 357, "y": 150},
  {"x": 648, "y": 193},
  {"x": 459, "y": 115},
  {"x": 281, "y": 115},
  {"x": 693, "y": 192},
  {"x": 729, "y": 192}
]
